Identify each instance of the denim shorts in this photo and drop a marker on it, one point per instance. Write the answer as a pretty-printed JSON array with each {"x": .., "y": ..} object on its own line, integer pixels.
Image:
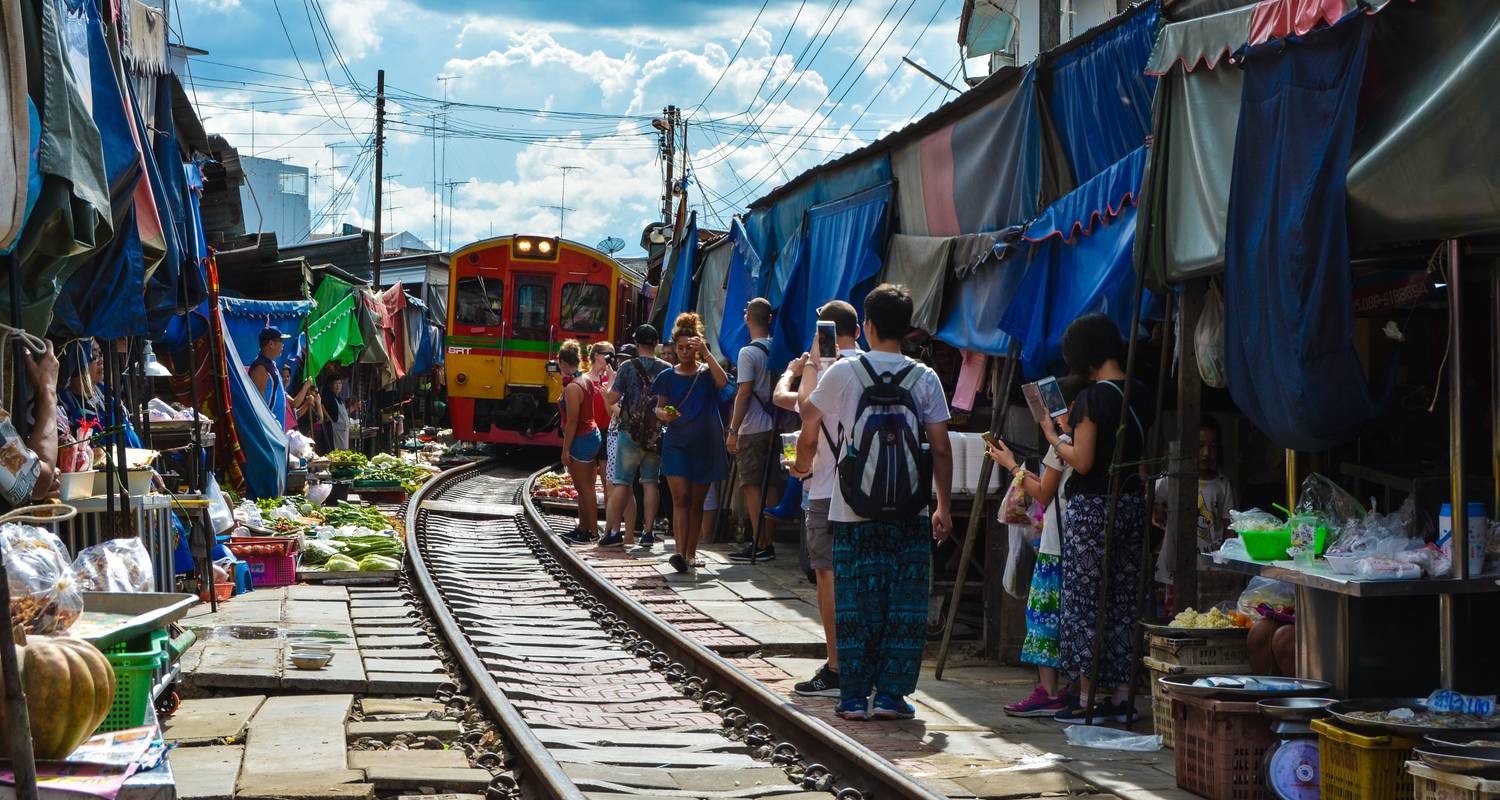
[
  {"x": 632, "y": 462},
  {"x": 586, "y": 446}
]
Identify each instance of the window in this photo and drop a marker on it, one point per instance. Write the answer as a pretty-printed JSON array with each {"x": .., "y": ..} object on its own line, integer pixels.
[
  {"x": 585, "y": 307},
  {"x": 292, "y": 183},
  {"x": 532, "y": 300},
  {"x": 478, "y": 302}
]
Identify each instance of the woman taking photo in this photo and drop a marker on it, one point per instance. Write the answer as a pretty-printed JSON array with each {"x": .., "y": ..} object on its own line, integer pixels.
[
  {"x": 692, "y": 452},
  {"x": 581, "y": 441},
  {"x": 1093, "y": 349}
]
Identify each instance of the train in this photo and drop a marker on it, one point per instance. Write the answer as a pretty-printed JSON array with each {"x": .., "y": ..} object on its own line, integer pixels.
[{"x": 512, "y": 300}]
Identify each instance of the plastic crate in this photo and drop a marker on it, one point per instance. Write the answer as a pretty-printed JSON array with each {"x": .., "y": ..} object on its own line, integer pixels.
[
  {"x": 268, "y": 572},
  {"x": 285, "y": 545},
  {"x": 1221, "y": 748},
  {"x": 1359, "y": 767},
  {"x": 1218, "y": 651},
  {"x": 1161, "y": 702},
  {"x": 135, "y": 664},
  {"x": 1434, "y": 784}
]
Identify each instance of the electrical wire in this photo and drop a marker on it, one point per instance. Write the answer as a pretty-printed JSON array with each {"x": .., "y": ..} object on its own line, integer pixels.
[{"x": 730, "y": 62}]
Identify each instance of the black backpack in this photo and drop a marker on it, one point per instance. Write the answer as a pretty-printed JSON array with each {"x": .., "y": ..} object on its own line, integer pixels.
[
  {"x": 782, "y": 420},
  {"x": 885, "y": 473},
  {"x": 640, "y": 417}
]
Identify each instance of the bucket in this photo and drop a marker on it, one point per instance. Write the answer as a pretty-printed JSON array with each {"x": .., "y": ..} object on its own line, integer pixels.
[{"x": 76, "y": 485}]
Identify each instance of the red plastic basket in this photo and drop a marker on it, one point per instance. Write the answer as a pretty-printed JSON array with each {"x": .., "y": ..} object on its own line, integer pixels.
[
  {"x": 1220, "y": 748},
  {"x": 284, "y": 545},
  {"x": 222, "y": 592}
]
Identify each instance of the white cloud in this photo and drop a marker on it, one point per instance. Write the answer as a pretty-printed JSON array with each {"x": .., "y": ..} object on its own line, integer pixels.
[
  {"x": 355, "y": 24},
  {"x": 533, "y": 49}
]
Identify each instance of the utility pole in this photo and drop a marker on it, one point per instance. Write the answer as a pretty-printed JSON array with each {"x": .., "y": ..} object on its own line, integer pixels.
[
  {"x": 449, "y": 186},
  {"x": 1049, "y": 23},
  {"x": 562, "y": 204},
  {"x": 666, "y": 126},
  {"x": 379, "y": 169}
]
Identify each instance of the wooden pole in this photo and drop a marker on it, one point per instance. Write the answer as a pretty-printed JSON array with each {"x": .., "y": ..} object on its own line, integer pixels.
[
  {"x": 1000, "y": 390},
  {"x": 1182, "y": 478},
  {"x": 379, "y": 243},
  {"x": 17, "y": 720}
]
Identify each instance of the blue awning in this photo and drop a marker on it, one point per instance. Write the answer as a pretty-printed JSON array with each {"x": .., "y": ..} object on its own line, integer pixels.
[
  {"x": 976, "y": 304},
  {"x": 1078, "y": 262},
  {"x": 260, "y": 431},
  {"x": 742, "y": 284}
]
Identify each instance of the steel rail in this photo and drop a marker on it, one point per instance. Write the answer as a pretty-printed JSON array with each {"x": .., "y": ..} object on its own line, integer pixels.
[
  {"x": 850, "y": 763},
  {"x": 541, "y": 776}
]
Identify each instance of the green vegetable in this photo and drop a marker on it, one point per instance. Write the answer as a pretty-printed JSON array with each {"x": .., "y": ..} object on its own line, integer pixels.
[
  {"x": 317, "y": 551},
  {"x": 341, "y": 563},
  {"x": 346, "y": 513},
  {"x": 378, "y": 563}
]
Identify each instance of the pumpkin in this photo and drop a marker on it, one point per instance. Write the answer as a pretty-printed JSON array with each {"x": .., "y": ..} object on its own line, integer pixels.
[{"x": 69, "y": 687}]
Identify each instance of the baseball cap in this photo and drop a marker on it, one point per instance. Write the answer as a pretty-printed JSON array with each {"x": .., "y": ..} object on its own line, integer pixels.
[{"x": 646, "y": 335}]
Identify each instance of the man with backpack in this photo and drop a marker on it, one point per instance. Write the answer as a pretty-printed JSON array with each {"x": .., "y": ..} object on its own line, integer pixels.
[
  {"x": 638, "y": 440},
  {"x": 890, "y": 418},
  {"x": 751, "y": 433}
]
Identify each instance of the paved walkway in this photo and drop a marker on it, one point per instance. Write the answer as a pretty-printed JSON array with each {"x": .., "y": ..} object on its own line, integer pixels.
[{"x": 961, "y": 743}]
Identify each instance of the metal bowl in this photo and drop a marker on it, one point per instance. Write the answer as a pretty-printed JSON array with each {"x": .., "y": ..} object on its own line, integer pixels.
[
  {"x": 1183, "y": 685},
  {"x": 1460, "y": 759},
  {"x": 1296, "y": 708},
  {"x": 310, "y": 661},
  {"x": 1342, "y": 710},
  {"x": 1461, "y": 739}
]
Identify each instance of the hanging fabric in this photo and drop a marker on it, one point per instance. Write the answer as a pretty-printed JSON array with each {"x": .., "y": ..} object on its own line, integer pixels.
[
  {"x": 1289, "y": 322},
  {"x": 713, "y": 272},
  {"x": 742, "y": 284},
  {"x": 684, "y": 259},
  {"x": 920, "y": 263}
]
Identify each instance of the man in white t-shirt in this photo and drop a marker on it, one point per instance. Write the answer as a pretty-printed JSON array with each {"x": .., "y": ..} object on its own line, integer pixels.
[
  {"x": 881, "y": 568},
  {"x": 819, "y": 487}
]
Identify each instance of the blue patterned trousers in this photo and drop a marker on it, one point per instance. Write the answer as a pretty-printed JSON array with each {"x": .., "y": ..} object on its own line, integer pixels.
[{"x": 880, "y": 587}]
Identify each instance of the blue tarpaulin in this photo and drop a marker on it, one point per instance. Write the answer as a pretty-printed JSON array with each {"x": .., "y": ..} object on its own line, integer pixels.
[
  {"x": 261, "y": 431},
  {"x": 1099, "y": 95},
  {"x": 1289, "y": 324},
  {"x": 976, "y": 303},
  {"x": 684, "y": 259},
  {"x": 771, "y": 231},
  {"x": 743, "y": 283},
  {"x": 1079, "y": 261},
  {"x": 846, "y": 243}
]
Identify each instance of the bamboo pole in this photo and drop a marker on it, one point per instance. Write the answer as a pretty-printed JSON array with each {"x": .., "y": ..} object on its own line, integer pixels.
[{"x": 17, "y": 720}]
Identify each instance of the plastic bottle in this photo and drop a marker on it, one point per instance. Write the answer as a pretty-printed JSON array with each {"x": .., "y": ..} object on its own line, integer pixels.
[{"x": 1478, "y": 530}]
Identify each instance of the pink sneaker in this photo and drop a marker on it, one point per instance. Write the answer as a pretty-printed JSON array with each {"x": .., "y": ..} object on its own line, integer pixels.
[{"x": 1038, "y": 704}]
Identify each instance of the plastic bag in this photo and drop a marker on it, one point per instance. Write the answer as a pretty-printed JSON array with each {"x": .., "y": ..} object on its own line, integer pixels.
[
  {"x": 1020, "y": 561},
  {"x": 1374, "y": 533},
  {"x": 1386, "y": 569},
  {"x": 1324, "y": 498},
  {"x": 249, "y": 514},
  {"x": 1208, "y": 340},
  {"x": 44, "y": 594},
  {"x": 219, "y": 512},
  {"x": 1254, "y": 520},
  {"x": 1101, "y": 738},
  {"x": 117, "y": 565},
  {"x": 1018, "y": 508},
  {"x": 1265, "y": 591}
]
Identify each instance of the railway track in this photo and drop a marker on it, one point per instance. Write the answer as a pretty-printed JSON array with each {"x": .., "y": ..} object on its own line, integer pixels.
[{"x": 594, "y": 695}]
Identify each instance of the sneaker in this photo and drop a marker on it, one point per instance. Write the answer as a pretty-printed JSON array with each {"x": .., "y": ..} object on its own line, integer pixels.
[
  {"x": 853, "y": 709},
  {"x": 1038, "y": 704},
  {"x": 889, "y": 706},
  {"x": 767, "y": 553},
  {"x": 645, "y": 539},
  {"x": 698, "y": 562},
  {"x": 612, "y": 539},
  {"x": 825, "y": 683},
  {"x": 678, "y": 562},
  {"x": 1104, "y": 711},
  {"x": 578, "y": 536}
]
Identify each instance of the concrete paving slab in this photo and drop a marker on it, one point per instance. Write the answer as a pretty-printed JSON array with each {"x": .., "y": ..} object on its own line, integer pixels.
[
  {"x": 210, "y": 719},
  {"x": 441, "y": 728},
  {"x": 272, "y": 594},
  {"x": 312, "y": 613},
  {"x": 340, "y": 791},
  {"x": 729, "y": 612},
  {"x": 296, "y": 743},
  {"x": 402, "y": 705},
  {"x": 382, "y": 642},
  {"x": 995, "y": 784},
  {"x": 344, "y": 673},
  {"x": 586, "y": 775},
  {"x": 398, "y": 653},
  {"x": 790, "y": 609},
  {"x": 404, "y": 665},
  {"x": 223, "y": 666},
  {"x": 381, "y": 602},
  {"x": 407, "y": 759},
  {"x": 711, "y": 780},
  {"x": 248, "y": 613},
  {"x": 324, "y": 593},
  {"x": 206, "y": 773},
  {"x": 361, "y": 613},
  {"x": 438, "y": 777},
  {"x": 399, "y": 683}
]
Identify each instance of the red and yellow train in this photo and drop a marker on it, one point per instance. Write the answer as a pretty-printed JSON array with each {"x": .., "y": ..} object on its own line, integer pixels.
[{"x": 511, "y": 301}]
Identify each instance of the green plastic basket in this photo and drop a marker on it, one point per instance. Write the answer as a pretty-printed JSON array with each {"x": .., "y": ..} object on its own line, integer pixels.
[{"x": 135, "y": 663}]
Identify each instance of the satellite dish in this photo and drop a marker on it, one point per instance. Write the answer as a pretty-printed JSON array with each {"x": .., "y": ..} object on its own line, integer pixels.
[{"x": 612, "y": 245}]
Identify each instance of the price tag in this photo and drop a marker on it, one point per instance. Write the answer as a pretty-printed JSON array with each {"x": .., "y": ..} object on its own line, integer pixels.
[{"x": 1447, "y": 701}]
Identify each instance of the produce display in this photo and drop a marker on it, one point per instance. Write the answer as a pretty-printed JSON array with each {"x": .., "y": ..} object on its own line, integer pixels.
[
  {"x": 341, "y": 460},
  {"x": 1213, "y": 618},
  {"x": 558, "y": 485},
  {"x": 69, "y": 688},
  {"x": 345, "y": 513},
  {"x": 386, "y": 467},
  {"x": 1424, "y": 719}
]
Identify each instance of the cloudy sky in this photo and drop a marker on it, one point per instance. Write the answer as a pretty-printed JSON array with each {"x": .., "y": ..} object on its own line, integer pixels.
[{"x": 769, "y": 89}]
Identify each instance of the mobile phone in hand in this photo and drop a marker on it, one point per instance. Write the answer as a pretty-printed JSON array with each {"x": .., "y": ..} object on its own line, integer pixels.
[
  {"x": 828, "y": 347},
  {"x": 990, "y": 440}
]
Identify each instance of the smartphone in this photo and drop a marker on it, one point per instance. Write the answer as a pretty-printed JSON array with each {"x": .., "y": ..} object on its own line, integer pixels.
[
  {"x": 827, "y": 342},
  {"x": 1045, "y": 398},
  {"x": 990, "y": 439}
]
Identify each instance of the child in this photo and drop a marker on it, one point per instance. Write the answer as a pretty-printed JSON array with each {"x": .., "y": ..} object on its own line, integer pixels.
[
  {"x": 1044, "y": 601},
  {"x": 1215, "y": 499}
]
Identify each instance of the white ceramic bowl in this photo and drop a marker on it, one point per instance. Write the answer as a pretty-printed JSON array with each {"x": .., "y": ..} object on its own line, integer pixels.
[
  {"x": 310, "y": 646},
  {"x": 310, "y": 661}
]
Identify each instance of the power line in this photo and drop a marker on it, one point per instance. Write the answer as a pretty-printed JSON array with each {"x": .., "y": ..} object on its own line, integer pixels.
[
  {"x": 748, "y": 31},
  {"x": 276, "y": 4}
]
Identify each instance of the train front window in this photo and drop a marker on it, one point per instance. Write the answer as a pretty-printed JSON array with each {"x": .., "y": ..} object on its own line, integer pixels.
[
  {"x": 479, "y": 302},
  {"x": 532, "y": 300},
  {"x": 585, "y": 307}
]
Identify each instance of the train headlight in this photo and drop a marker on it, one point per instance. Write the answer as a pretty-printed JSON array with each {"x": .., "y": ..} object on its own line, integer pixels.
[
  {"x": 536, "y": 248},
  {"x": 544, "y": 247},
  {"x": 461, "y": 379},
  {"x": 524, "y": 245}
]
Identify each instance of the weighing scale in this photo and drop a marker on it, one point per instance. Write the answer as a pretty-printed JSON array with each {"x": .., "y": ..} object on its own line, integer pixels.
[{"x": 1292, "y": 767}]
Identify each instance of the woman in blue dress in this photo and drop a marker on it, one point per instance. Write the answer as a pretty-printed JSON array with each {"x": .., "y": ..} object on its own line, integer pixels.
[{"x": 692, "y": 453}]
